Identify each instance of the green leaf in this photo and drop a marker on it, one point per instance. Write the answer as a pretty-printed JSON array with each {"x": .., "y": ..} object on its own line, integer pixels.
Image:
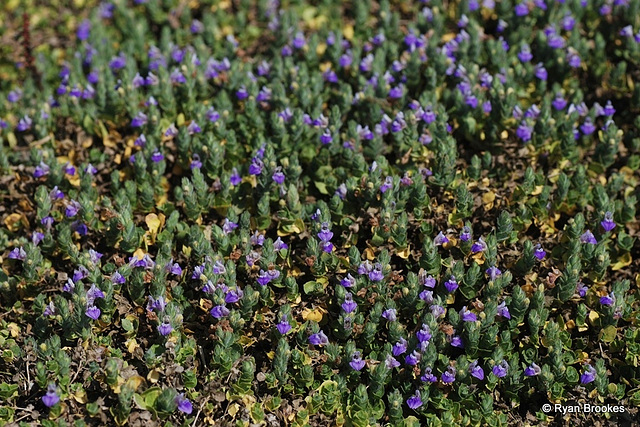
[{"x": 608, "y": 334}]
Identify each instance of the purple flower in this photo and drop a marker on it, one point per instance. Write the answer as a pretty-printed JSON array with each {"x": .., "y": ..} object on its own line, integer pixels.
[
  {"x": 390, "y": 362},
  {"x": 24, "y": 124},
  {"x": 49, "y": 310},
  {"x": 525, "y": 53},
  {"x": 387, "y": 185},
  {"x": 451, "y": 284},
  {"x": 349, "y": 305},
  {"x": 581, "y": 289},
  {"x": 177, "y": 77},
  {"x": 228, "y": 226},
  {"x": 541, "y": 72},
  {"x": 573, "y": 59},
  {"x": 476, "y": 371},
  {"x": 589, "y": 374},
  {"x": 607, "y": 223},
  {"x": 18, "y": 253},
  {"x": 242, "y": 93},
  {"x": 413, "y": 358},
  {"x": 37, "y": 237},
  {"x": 165, "y": 328},
  {"x": 72, "y": 209},
  {"x": 319, "y": 339},
  {"x": 15, "y": 95},
  {"x": 559, "y": 103},
  {"x": 51, "y": 398},
  {"x": 588, "y": 237},
  {"x": 139, "y": 120},
  {"x": 256, "y": 166},
  {"x": 609, "y": 299},
  {"x": 467, "y": 315},
  {"x": 117, "y": 278},
  {"x": 400, "y": 347},
  {"x": 493, "y": 272},
  {"x": 424, "y": 334},
  {"x": 465, "y": 234},
  {"x": 415, "y": 401},
  {"x": 437, "y": 310},
  {"x": 326, "y": 137},
  {"x": 93, "y": 312},
  {"x": 479, "y": 246},
  {"x": 428, "y": 376},
  {"x": 158, "y": 304},
  {"x": 279, "y": 244},
  {"x": 184, "y": 405},
  {"x": 196, "y": 27},
  {"x": 69, "y": 286},
  {"x": 233, "y": 296},
  {"x": 376, "y": 274},
  {"x": 501, "y": 369},
  {"x": 608, "y": 109},
  {"x": 539, "y": 252},
  {"x": 235, "y": 178},
  {"x": 532, "y": 370},
  {"x": 503, "y": 310},
  {"x": 524, "y": 132},
  {"x": 449, "y": 375},
  {"x": 426, "y": 296},
  {"x": 456, "y": 341},
  {"x": 284, "y": 326},
  {"x": 118, "y": 62},
  {"x": 220, "y": 311},
  {"x": 325, "y": 233},
  {"x": 193, "y": 128},
  {"x": 94, "y": 293},
  {"x": 440, "y": 239},
  {"x": 356, "y": 361},
  {"x": 390, "y": 314},
  {"x": 348, "y": 281},
  {"x": 588, "y": 127}
]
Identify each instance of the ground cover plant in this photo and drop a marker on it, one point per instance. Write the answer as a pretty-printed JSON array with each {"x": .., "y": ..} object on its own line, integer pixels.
[{"x": 319, "y": 213}]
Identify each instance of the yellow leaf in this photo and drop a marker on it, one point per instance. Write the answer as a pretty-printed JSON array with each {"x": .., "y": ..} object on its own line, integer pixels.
[
  {"x": 488, "y": 198},
  {"x": 623, "y": 261},
  {"x": 15, "y": 220},
  {"x": 347, "y": 32},
  {"x": 313, "y": 315},
  {"x": 14, "y": 330},
  {"x": 321, "y": 48},
  {"x": 139, "y": 253},
  {"x": 153, "y": 376},
  {"x": 537, "y": 190},
  {"x": 368, "y": 254},
  {"x": 233, "y": 409},
  {"x": 132, "y": 344},
  {"x": 593, "y": 316},
  {"x": 246, "y": 341},
  {"x": 404, "y": 253},
  {"x": 271, "y": 354},
  {"x": 134, "y": 382},
  {"x": 80, "y": 396}
]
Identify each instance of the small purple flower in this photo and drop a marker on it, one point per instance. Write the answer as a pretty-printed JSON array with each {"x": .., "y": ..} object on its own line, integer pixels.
[
  {"x": 235, "y": 178},
  {"x": 319, "y": 338},
  {"x": 69, "y": 286},
  {"x": 24, "y": 124},
  {"x": 51, "y": 398},
  {"x": 588, "y": 237},
  {"x": 449, "y": 375},
  {"x": 524, "y": 132},
  {"x": 390, "y": 362},
  {"x": 503, "y": 310},
  {"x": 139, "y": 120},
  {"x": 415, "y": 401},
  {"x": 525, "y": 53},
  {"x": 93, "y": 312},
  {"x": 117, "y": 278},
  {"x": 325, "y": 233},
  {"x": 49, "y": 309},
  {"x": 607, "y": 223},
  {"x": 18, "y": 253},
  {"x": 428, "y": 376},
  {"x": 479, "y": 246},
  {"x": 424, "y": 334},
  {"x": 72, "y": 209},
  {"x": 279, "y": 245},
  {"x": 532, "y": 370},
  {"x": 165, "y": 328},
  {"x": 37, "y": 237},
  {"x": 467, "y": 315},
  {"x": 233, "y": 296},
  {"x": 242, "y": 93},
  {"x": 493, "y": 272},
  {"x": 390, "y": 314},
  {"x": 437, "y": 310},
  {"x": 184, "y": 404},
  {"x": 387, "y": 185},
  {"x": 94, "y": 293},
  {"x": 326, "y": 137},
  {"x": 284, "y": 326},
  {"x": 609, "y": 299},
  {"x": 440, "y": 239},
  {"x": 349, "y": 305},
  {"x": 429, "y": 282},
  {"x": 118, "y": 62},
  {"x": 581, "y": 289},
  {"x": 256, "y": 166},
  {"x": 376, "y": 274},
  {"x": 589, "y": 374},
  {"x": 220, "y": 311},
  {"x": 15, "y": 95},
  {"x": 193, "y": 128},
  {"x": 573, "y": 59},
  {"x": 539, "y": 252},
  {"x": 608, "y": 109},
  {"x": 356, "y": 361},
  {"x": 476, "y": 371},
  {"x": 228, "y": 226},
  {"x": 541, "y": 72},
  {"x": 400, "y": 347},
  {"x": 348, "y": 281},
  {"x": 456, "y": 341},
  {"x": 413, "y": 358},
  {"x": 158, "y": 304},
  {"x": 500, "y": 370},
  {"x": 426, "y": 296},
  {"x": 451, "y": 284}
]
